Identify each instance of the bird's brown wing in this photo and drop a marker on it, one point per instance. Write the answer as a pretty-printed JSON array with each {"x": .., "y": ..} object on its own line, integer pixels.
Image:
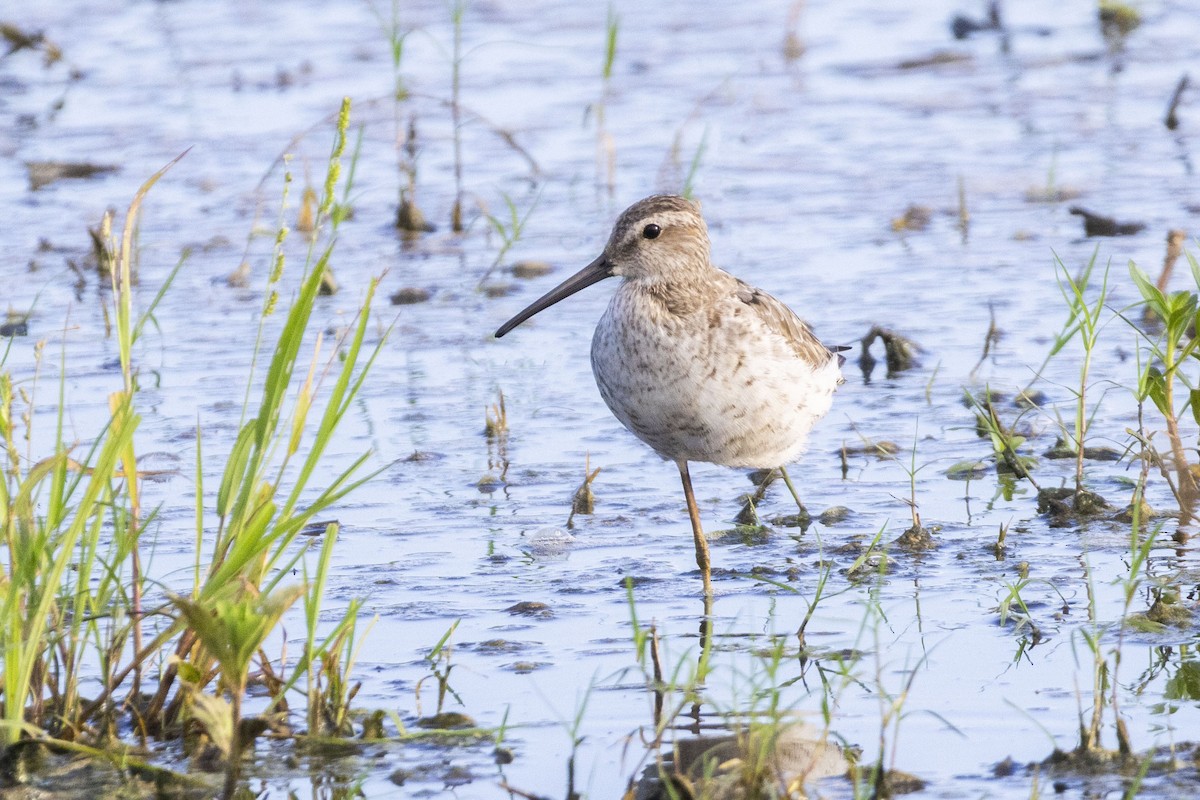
[{"x": 782, "y": 320}]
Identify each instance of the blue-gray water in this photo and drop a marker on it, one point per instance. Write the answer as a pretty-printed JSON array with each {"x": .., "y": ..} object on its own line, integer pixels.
[{"x": 803, "y": 165}]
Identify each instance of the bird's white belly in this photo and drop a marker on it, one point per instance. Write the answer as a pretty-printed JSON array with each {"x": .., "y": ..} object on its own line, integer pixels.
[{"x": 699, "y": 392}]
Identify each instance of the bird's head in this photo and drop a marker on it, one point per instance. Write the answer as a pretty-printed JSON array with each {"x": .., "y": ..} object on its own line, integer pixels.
[{"x": 660, "y": 238}]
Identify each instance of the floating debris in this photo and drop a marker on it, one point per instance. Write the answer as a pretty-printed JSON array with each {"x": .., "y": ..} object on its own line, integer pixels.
[
  {"x": 488, "y": 483},
  {"x": 410, "y": 296},
  {"x": 583, "y": 501},
  {"x": 1144, "y": 510},
  {"x": 1062, "y": 449},
  {"x": 372, "y": 726},
  {"x": 834, "y": 515},
  {"x": 500, "y": 647},
  {"x": 329, "y": 284},
  {"x": 495, "y": 422},
  {"x": 801, "y": 520},
  {"x": 421, "y": 457},
  {"x": 530, "y": 268},
  {"x": 494, "y": 290},
  {"x": 882, "y": 450},
  {"x": 1167, "y": 610},
  {"x": 793, "y": 46},
  {"x": 446, "y": 721},
  {"x": 1027, "y": 398},
  {"x": 900, "y": 352},
  {"x": 917, "y": 537},
  {"x": 963, "y": 27},
  {"x": 988, "y": 396},
  {"x": 1064, "y": 506},
  {"x": 939, "y": 59},
  {"x": 530, "y": 608},
  {"x": 240, "y": 277},
  {"x": 1100, "y": 225},
  {"x": 318, "y": 527},
  {"x": 410, "y": 218},
  {"x": 43, "y": 173},
  {"x": 15, "y": 327},
  {"x": 19, "y": 39},
  {"x": 915, "y": 218},
  {"x": 896, "y": 782},
  {"x": 1052, "y": 194}
]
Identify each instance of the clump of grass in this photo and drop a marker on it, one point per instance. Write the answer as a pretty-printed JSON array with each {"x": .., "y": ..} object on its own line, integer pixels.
[
  {"x": 232, "y": 632},
  {"x": 72, "y": 593},
  {"x": 509, "y": 230},
  {"x": 1083, "y": 323},
  {"x": 1005, "y": 440},
  {"x": 495, "y": 425},
  {"x": 409, "y": 216},
  {"x": 584, "y": 500},
  {"x": 440, "y": 663},
  {"x": 1162, "y": 379}
]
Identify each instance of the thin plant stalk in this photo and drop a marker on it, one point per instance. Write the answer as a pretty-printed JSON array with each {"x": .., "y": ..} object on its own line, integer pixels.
[{"x": 457, "y": 12}]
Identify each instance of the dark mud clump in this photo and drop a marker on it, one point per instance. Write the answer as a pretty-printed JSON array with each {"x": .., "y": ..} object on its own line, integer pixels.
[
  {"x": 410, "y": 295},
  {"x": 1063, "y": 450},
  {"x": 881, "y": 449},
  {"x": 530, "y": 608},
  {"x": 446, "y": 721},
  {"x": 918, "y": 537},
  {"x": 900, "y": 353},
  {"x": 1167, "y": 610},
  {"x": 1100, "y": 225},
  {"x": 531, "y": 269},
  {"x": 43, "y": 173},
  {"x": 1064, "y": 506},
  {"x": 410, "y": 218}
]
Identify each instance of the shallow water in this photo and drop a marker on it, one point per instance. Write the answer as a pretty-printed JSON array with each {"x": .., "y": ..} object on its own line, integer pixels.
[{"x": 804, "y": 164}]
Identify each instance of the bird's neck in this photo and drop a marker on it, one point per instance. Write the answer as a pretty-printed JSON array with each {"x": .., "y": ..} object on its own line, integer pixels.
[{"x": 682, "y": 293}]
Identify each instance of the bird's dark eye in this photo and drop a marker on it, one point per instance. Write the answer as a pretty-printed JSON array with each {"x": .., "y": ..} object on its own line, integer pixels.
[{"x": 651, "y": 231}]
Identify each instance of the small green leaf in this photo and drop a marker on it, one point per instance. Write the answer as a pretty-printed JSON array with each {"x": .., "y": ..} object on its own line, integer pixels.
[
  {"x": 215, "y": 715},
  {"x": 235, "y": 468},
  {"x": 1185, "y": 684},
  {"x": 1150, "y": 293},
  {"x": 1155, "y": 388},
  {"x": 964, "y": 470},
  {"x": 188, "y": 672}
]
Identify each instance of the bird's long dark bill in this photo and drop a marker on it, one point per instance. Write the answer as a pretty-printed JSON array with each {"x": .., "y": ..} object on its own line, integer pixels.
[{"x": 594, "y": 272}]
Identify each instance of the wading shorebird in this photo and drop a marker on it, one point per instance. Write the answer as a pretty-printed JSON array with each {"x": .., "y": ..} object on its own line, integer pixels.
[{"x": 697, "y": 364}]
